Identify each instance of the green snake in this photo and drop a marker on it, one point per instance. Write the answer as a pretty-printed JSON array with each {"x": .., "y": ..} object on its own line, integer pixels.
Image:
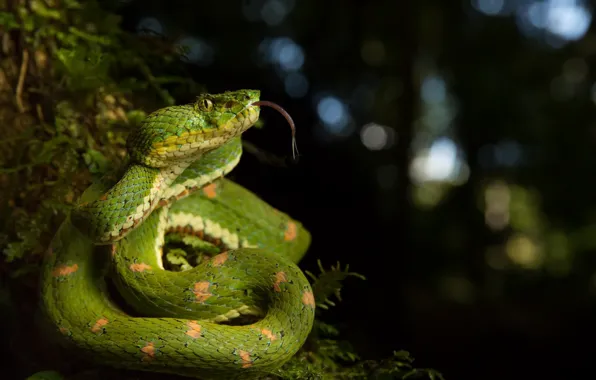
[{"x": 242, "y": 312}]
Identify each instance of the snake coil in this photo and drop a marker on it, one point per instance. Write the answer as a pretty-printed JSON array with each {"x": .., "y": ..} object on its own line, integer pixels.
[{"x": 240, "y": 313}]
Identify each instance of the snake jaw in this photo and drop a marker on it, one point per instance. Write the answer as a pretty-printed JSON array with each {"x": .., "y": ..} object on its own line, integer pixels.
[{"x": 242, "y": 121}]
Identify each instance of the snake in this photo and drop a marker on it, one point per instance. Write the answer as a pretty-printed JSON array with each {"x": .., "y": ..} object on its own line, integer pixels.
[{"x": 106, "y": 291}]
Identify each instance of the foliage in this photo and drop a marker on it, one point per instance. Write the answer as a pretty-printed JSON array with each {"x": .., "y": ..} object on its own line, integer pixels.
[
  {"x": 329, "y": 283},
  {"x": 74, "y": 77},
  {"x": 71, "y": 88},
  {"x": 326, "y": 356}
]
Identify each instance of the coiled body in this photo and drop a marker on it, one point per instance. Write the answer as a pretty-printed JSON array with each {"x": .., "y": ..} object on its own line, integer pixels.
[{"x": 244, "y": 311}]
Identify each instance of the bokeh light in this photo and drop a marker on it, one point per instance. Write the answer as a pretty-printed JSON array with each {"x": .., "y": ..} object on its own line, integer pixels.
[
  {"x": 150, "y": 25},
  {"x": 283, "y": 52},
  {"x": 333, "y": 114},
  {"x": 497, "y": 199},
  {"x": 524, "y": 252},
  {"x": 441, "y": 162},
  {"x": 568, "y": 19},
  {"x": 376, "y": 137},
  {"x": 272, "y": 12},
  {"x": 433, "y": 89},
  {"x": 505, "y": 153},
  {"x": 489, "y": 7},
  {"x": 563, "y": 20}
]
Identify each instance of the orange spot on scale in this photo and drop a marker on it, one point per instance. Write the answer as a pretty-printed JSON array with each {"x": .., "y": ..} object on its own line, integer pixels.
[
  {"x": 291, "y": 231},
  {"x": 269, "y": 334},
  {"x": 308, "y": 298},
  {"x": 201, "y": 291},
  {"x": 65, "y": 270},
  {"x": 113, "y": 250},
  {"x": 182, "y": 194},
  {"x": 99, "y": 324},
  {"x": 279, "y": 278},
  {"x": 139, "y": 267},
  {"x": 195, "y": 329},
  {"x": 220, "y": 259},
  {"x": 103, "y": 197},
  {"x": 210, "y": 190},
  {"x": 64, "y": 330},
  {"x": 245, "y": 356},
  {"x": 149, "y": 351}
]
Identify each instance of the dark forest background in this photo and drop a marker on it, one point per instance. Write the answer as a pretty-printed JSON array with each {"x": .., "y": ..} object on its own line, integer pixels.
[{"x": 447, "y": 154}]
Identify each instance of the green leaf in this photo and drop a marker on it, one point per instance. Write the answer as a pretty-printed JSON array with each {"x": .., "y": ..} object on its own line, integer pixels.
[
  {"x": 135, "y": 117},
  {"x": 96, "y": 161},
  {"x": 84, "y": 67},
  {"x": 330, "y": 283},
  {"x": 28, "y": 232},
  {"x": 8, "y": 21},
  {"x": 41, "y": 9}
]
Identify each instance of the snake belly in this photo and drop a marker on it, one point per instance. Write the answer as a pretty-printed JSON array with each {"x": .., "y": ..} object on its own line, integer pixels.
[{"x": 184, "y": 323}]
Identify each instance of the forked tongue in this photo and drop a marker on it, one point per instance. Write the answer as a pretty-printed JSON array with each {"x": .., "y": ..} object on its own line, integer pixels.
[{"x": 282, "y": 111}]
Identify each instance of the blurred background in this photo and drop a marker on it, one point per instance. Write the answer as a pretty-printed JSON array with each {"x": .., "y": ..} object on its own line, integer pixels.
[{"x": 447, "y": 153}]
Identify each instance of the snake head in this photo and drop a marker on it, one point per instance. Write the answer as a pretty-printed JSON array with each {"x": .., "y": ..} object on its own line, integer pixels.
[
  {"x": 183, "y": 133},
  {"x": 229, "y": 111}
]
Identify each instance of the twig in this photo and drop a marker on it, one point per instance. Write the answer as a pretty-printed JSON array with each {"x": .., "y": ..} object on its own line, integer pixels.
[
  {"x": 22, "y": 75},
  {"x": 18, "y": 168},
  {"x": 6, "y": 43},
  {"x": 39, "y": 113}
]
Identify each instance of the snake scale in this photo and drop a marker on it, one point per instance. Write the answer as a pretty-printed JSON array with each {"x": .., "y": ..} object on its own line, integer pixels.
[{"x": 242, "y": 312}]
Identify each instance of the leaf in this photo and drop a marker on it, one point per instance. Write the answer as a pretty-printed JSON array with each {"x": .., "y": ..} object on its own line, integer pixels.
[
  {"x": 28, "y": 232},
  {"x": 84, "y": 67},
  {"x": 41, "y": 9},
  {"x": 326, "y": 329},
  {"x": 96, "y": 161},
  {"x": 135, "y": 117},
  {"x": 397, "y": 367},
  {"x": 330, "y": 283},
  {"x": 102, "y": 40},
  {"x": 8, "y": 21}
]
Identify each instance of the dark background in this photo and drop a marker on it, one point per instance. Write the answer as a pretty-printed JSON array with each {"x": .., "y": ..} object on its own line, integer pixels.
[{"x": 447, "y": 153}]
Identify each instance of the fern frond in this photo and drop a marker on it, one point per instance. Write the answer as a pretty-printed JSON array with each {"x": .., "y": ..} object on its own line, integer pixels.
[{"x": 329, "y": 283}]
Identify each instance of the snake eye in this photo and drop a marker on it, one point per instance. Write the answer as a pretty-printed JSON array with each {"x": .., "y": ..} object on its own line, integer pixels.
[{"x": 206, "y": 105}]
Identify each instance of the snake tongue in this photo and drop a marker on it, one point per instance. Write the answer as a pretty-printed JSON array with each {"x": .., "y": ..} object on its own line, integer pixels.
[{"x": 285, "y": 114}]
